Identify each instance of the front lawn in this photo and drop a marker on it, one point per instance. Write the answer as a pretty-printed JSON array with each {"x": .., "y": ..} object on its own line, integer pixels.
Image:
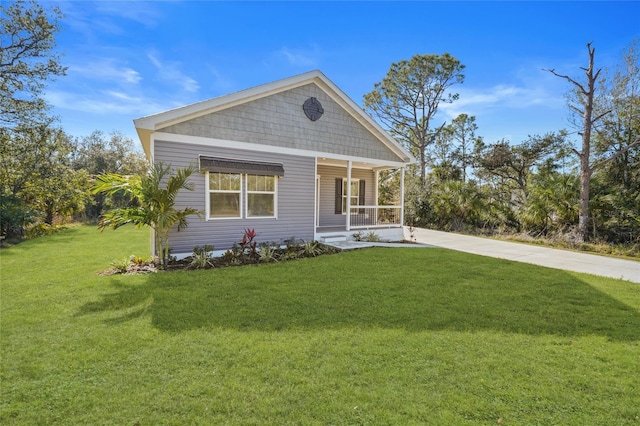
[{"x": 376, "y": 336}]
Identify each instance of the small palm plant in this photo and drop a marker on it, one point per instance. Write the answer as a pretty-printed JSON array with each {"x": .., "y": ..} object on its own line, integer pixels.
[
  {"x": 155, "y": 197},
  {"x": 202, "y": 257}
]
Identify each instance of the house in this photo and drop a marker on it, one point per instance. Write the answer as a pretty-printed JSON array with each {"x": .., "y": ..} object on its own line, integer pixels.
[{"x": 293, "y": 158}]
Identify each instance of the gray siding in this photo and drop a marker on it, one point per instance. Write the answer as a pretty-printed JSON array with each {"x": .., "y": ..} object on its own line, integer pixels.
[
  {"x": 279, "y": 120},
  {"x": 295, "y": 199},
  {"x": 328, "y": 175}
]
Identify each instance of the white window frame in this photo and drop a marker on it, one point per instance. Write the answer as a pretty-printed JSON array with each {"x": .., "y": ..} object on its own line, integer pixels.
[
  {"x": 274, "y": 193},
  {"x": 208, "y": 192},
  {"x": 244, "y": 197},
  {"x": 344, "y": 194}
]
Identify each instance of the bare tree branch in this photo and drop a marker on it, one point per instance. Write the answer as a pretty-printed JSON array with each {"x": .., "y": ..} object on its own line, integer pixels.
[{"x": 596, "y": 165}]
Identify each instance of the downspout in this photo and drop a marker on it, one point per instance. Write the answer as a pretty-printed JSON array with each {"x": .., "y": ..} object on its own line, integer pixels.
[{"x": 348, "y": 220}]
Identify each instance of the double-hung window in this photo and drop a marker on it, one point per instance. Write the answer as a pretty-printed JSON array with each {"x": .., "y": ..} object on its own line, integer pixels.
[
  {"x": 225, "y": 195},
  {"x": 261, "y": 196},
  {"x": 241, "y": 189}
]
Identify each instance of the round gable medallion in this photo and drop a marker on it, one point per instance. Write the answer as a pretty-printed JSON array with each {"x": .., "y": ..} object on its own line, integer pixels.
[{"x": 313, "y": 109}]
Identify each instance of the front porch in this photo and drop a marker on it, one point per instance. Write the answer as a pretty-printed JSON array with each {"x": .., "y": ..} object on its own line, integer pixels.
[{"x": 348, "y": 201}]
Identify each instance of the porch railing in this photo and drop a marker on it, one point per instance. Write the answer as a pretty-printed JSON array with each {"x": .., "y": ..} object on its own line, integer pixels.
[{"x": 375, "y": 216}]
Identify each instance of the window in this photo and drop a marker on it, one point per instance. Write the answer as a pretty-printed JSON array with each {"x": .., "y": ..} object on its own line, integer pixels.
[
  {"x": 357, "y": 194},
  {"x": 229, "y": 193},
  {"x": 225, "y": 195},
  {"x": 261, "y": 195}
]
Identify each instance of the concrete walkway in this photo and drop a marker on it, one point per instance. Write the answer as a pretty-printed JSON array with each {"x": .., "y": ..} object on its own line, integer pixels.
[{"x": 553, "y": 258}]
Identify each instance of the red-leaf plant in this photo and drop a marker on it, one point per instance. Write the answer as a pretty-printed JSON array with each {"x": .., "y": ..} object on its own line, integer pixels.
[{"x": 248, "y": 243}]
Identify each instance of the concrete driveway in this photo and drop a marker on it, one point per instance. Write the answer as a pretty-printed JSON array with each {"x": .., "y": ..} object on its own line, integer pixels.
[{"x": 553, "y": 258}]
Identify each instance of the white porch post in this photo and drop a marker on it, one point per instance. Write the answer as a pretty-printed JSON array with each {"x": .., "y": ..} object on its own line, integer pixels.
[
  {"x": 402, "y": 196},
  {"x": 377, "y": 186},
  {"x": 348, "y": 219}
]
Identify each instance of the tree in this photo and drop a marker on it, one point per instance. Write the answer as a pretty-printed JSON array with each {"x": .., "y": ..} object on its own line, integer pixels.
[
  {"x": 513, "y": 164},
  {"x": 28, "y": 143},
  {"x": 552, "y": 202},
  {"x": 57, "y": 190},
  {"x": 99, "y": 154},
  {"x": 27, "y": 60},
  {"x": 462, "y": 131},
  {"x": 456, "y": 204},
  {"x": 407, "y": 99},
  {"x": 155, "y": 196},
  {"x": 583, "y": 103},
  {"x": 36, "y": 178},
  {"x": 615, "y": 188}
]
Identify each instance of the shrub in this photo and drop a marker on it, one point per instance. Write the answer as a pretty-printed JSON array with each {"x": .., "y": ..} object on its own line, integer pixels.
[
  {"x": 202, "y": 257},
  {"x": 140, "y": 261},
  {"x": 233, "y": 256},
  {"x": 311, "y": 249},
  {"x": 43, "y": 229},
  {"x": 121, "y": 266},
  {"x": 15, "y": 216},
  {"x": 248, "y": 243},
  {"x": 370, "y": 237},
  {"x": 267, "y": 253}
]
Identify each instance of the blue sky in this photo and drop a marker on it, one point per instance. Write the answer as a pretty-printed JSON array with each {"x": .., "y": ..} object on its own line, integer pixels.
[{"x": 131, "y": 59}]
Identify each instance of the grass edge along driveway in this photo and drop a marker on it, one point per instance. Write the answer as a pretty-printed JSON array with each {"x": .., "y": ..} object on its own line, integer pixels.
[{"x": 376, "y": 336}]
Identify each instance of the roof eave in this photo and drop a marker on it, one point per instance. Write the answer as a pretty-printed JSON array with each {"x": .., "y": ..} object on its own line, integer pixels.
[{"x": 147, "y": 125}]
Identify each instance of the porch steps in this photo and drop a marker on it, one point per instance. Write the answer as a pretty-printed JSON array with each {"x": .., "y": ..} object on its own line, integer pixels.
[{"x": 334, "y": 238}]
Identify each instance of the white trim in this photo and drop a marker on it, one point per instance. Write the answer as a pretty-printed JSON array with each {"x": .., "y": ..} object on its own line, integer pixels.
[
  {"x": 402, "y": 196},
  {"x": 208, "y": 197},
  {"x": 198, "y": 109},
  {"x": 247, "y": 146},
  {"x": 348, "y": 216},
  {"x": 164, "y": 119},
  {"x": 244, "y": 199},
  {"x": 316, "y": 201},
  {"x": 376, "y": 177},
  {"x": 274, "y": 193},
  {"x": 344, "y": 196},
  {"x": 152, "y": 234},
  {"x": 152, "y": 147}
]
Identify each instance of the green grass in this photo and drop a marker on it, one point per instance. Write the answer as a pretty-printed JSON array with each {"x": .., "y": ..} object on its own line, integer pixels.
[{"x": 378, "y": 336}]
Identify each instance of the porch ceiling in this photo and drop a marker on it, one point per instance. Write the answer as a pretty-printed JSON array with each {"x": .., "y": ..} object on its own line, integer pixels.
[{"x": 326, "y": 161}]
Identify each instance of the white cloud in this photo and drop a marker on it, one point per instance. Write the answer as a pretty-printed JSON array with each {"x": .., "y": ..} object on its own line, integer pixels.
[
  {"x": 107, "y": 69},
  {"x": 93, "y": 18},
  {"x": 476, "y": 101},
  {"x": 123, "y": 96},
  {"x": 103, "y": 103},
  {"x": 299, "y": 57},
  {"x": 170, "y": 71},
  {"x": 144, "y": 13}
]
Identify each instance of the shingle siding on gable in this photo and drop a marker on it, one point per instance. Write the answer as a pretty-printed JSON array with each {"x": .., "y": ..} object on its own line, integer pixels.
[
  {"x": 279, "y": 120},
  {"x": 296, "y": 193}
]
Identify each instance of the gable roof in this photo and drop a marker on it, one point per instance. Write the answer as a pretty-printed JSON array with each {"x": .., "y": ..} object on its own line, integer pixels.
[{"x": 145, "y": 126}]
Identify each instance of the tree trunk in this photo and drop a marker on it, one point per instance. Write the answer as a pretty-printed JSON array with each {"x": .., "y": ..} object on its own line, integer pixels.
[
  {"x": 423, "y": 168},
  {"x": 586, "y": 169},
  {"x": 585, "y": 153},
  {"x": 583, "y": 208}
]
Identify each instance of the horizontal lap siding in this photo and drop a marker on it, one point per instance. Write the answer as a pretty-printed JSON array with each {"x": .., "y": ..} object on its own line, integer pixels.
[
  {"x": 295, "y": 199},
  {"x": 328, "y": 175}
]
